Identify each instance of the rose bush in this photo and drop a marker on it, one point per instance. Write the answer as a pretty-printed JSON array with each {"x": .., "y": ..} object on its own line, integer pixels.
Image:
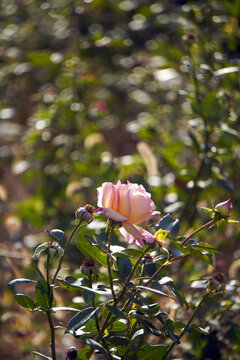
[{"x": 128, "y": 204}]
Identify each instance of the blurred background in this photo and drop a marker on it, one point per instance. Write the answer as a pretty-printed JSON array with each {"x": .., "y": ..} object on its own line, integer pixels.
[{"x": 101, "y": 90}]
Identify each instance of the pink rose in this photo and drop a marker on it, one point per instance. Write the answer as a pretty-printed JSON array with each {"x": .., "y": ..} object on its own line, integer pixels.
[{"x": 129, "y": 204}]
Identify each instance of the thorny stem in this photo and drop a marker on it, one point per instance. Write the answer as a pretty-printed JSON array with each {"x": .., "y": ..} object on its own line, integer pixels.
[
  {"x": 76, "y": 227},
  {"x": 207, "y": 225},
  {"x": 109, "y": 263},
  {"x": 188, "y": 324}
]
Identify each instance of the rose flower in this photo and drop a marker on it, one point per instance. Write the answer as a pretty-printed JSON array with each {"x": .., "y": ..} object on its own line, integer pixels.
[{"x": 129, "y": 204}]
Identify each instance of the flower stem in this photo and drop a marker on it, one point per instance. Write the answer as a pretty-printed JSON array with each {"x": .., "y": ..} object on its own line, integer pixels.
[
  {"x": 109, "y": 263},
  {"x": 207, "y": 225},
  {"x": 106, "y": 322},
  {"x": 52, "y": 331},
  {"x": 188, "y": 324},
  {"x": 48, "y": 312},
  {"x": 76, "y": 227}
]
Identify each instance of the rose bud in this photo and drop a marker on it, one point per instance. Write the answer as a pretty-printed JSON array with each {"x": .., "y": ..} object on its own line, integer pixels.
[
  {"x": 89, "y": 267},
  {"x": 85, "y": 214},
  {"x": 224, "y": 207}
]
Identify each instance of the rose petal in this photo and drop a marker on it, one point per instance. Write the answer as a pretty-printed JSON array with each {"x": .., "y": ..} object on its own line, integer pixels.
[
  {"x": 136, "y": 234},
  {"x": 106, "y": 194},
  {"x": 111, "y": 214},
  {"x": 124, "y": 199},
  {"x": 141, "y": 204},
  {"x": 130, "y": 238}
]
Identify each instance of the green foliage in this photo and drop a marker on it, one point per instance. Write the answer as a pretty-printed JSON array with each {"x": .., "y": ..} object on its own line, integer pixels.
[{"x": 97, "y": 91}]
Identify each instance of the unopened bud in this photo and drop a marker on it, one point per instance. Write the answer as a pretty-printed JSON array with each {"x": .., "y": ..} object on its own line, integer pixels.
[
  {"x": 218, "y": 282},
  {"x": 89, "y": 267},
  {"x": 85, "y": 213},
  {"x": 72, "y": 354},
  {"x": 224, "y": 207},
  {"x": 189, "y": 38}
]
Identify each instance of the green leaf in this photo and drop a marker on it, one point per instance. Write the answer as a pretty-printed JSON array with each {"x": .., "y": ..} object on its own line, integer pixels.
[
  {"x": 92, "y": 251},
  {"x": 64, "y": 308},
  {"x": 195, "y": 142},
  {"x": 168, "y": 223},
  {"x": 81, "y": 318},
  {"x": 150, "y": 268},
  {"x": 203, "y": 255},
  {"x": 19, "y": 281},
  {"x": 151, "y": 352},
  {"x": 116, "y": 312},
  {"x": 35, "y": 353},
  {"x": 72, "y": 282},
  {"x": 154, "y": 291},
  {"x": 88, "y": 296},
  {"x": 44, "y": 294},
  {"x": 149, "y": 309},
  {"x": 40, "y": 250},
  {"x": 204, "y": 246},
  {"x": 84, "y": 354},
  {"x": 56, "y": 234},
  {"x": 118, "y": 340},
  {"x": 95, "y": 345},
  {"x": 25, "y": 301},
  {"x": 124, "y": 266}
]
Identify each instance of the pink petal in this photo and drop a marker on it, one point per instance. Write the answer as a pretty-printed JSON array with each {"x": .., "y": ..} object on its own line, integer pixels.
[
  {"x": 124, "y": 207},
  {"x": 141, "y": 204},
  {"x": 111, "y": 214},
  {"x": 134, "y": 233}
]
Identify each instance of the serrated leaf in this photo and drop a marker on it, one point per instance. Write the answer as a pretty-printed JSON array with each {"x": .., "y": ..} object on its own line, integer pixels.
[
  {"x": 116, "y": 312},
  {"x": 81, "y": 318},
  {"x": 168, "y": 223},
  {"x": 95, "y": 345},
  {"x": 124, "y": 266},
  {"x": 44, "y": 294},
  {"x": 151, "y": 352},
  {"x": 25, "y": 301},
  {"x": 89, "y": 250}
]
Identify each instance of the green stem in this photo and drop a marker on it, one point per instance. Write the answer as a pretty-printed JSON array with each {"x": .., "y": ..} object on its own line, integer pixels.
[
  {"x": 187, "y": 325},
  {"x": 109, "y": 263},
  {"x": 131, "y": 332},
  {"x": 76, "y": 227},
  {"x": 48, "y": 313},
  {"x": 207, "y": 225},
  {"x": 52, "y": 331},
  {"x": 106, "y": 322},
  {"x": 156, "y": 273}
]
